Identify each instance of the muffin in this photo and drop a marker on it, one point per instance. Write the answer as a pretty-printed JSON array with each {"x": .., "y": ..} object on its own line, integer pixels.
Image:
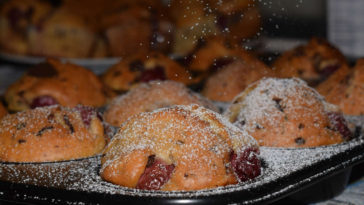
[
  {"x": 51, "y": 133},
  {"x": 214, "y": 52},
  {"x": 237, "y": 19},
  {"x": 150, "y": 96},
  {"x": 128, "y": 31},
  {"x": 193, "y": 21},
  {"x": 287, "y": 113},
  {"x": 53, "y": 82},
  {"x": 16, "y": 18},
  {"x": 62, "y": 34},
  {"x": 345, "y": 88},
  {"x": 313, "y": 62},
  {"x": 233, "y": 78},
  {"x": 144, "y": 67},
  {"x": 3, "y": 111},
  {"x": 179, "y": 148}
]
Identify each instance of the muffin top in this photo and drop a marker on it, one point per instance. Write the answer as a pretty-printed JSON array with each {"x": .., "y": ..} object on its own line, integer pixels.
[{"x": 287, "y": 113}]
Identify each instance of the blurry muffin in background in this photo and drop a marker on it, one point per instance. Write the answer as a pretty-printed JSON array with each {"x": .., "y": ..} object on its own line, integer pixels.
[
  {"x": 214, "y": 52},
  {"x": 196, "y": 20},
  {"x": 84, "y": 28},
  {"x": 53, "y": 82},
  {"x": 137, "y": 28},
  {"x": 345, "y": 88},
  {"x": 63, "y": 34},
  {"x": 234, "y": 75},
  {"x": 147, "y": 97},
  {"x": 128, "y": 31},
  {"x": 144, "y": 67},
  {"x": 193, "y": 20},
  {"x": 16, "y": 18},
  {"x": 237, "y": 19},
  {"x": 287, "y": 113},
  {"x": 313, "y": 62},
  {"x": 3, "y": 110},
  {"x": 51, "y": 133}
]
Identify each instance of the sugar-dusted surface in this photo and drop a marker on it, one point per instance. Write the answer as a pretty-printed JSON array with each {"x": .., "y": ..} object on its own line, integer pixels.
[
  {"x": 197, "y": 141},
  {"x": 280, "y": 164},
  {"x": 285, "y": 113}
]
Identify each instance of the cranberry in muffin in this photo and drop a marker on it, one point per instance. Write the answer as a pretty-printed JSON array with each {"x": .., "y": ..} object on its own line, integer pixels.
[
  {"x": 51, "y": 133},
  {"x": 180, "y": 148},
  {"x": 287, "y": 113}
]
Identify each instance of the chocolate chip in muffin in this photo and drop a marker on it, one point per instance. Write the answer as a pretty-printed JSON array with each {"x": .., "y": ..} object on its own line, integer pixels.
[
  {"x": 258, "y": 127},
  {"x": 242, "y": 123},
  {"x": 279, "y": 104},
  {"x": 68, "y": 123},
  {"x": 41, "y": 131},
  {"x": 300, "y": 141},
  {"x": 43, "y": 70},
  {"x": 180, "y": 142},
  {"x": 301, "y": 126},
  {"x": 21, "y": 141},
  {"x": 151, "y": 159},
  {"x": 50, "y": 117},
  {"x": 21, "y": 125}
]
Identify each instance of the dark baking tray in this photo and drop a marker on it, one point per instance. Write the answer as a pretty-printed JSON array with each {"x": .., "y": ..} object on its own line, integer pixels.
[{"x": 285, "y": 171}]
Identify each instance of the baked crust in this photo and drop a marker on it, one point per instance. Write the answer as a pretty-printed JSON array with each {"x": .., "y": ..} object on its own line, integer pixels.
[{"x": 50, "y": 134}]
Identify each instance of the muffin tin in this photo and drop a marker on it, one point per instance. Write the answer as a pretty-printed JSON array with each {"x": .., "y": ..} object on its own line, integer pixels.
[{"x": 285, "y": 172}]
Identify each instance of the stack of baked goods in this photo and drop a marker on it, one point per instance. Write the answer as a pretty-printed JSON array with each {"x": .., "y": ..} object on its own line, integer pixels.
[
  {"x": 96, "y": 29},
  {"x": 170, "y": 135}
]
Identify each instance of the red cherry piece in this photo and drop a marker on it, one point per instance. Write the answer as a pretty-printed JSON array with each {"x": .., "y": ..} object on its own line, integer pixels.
[
  {"x": 156, "y": 174},
  {"x": 153, "y": 74},
  {"x": 339, "y": 124},
  {"x": 328, "y": 70},
  {"x": 87, "y": 113},
  {"x": 246, "y": 164},
  {"x": 43, "y": 101}
]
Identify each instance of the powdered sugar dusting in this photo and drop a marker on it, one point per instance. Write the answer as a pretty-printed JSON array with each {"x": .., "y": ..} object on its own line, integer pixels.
[
  {"x": 162, "y": 129},
  {"x": 286, "y": 109},
  {"x": 279, "y": 163},
  {"x": 45, "y": 134},
  {"x": 147, "y": 97},
  {"x": 82, "y": 175}
]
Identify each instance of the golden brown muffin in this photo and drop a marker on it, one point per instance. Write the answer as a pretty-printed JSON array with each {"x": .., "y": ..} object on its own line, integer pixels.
[
  {"x": 179, "y": 148},
  {"x": 63, "y": 34},
  {"x": 215, "y": 52},
  {"x": 50, "y": 134},
  {"x": 150, "y": 96},
  {"x": 144, "y": 67},
  {"x": 287, "y": 113},
  {"x": 237, "y": 19},
  {"x": 53, "y": 82},
  {"x": 128, "y": 31},
  {"x": 233, "y": 78},
  {"x": 16, "y": 17},
  {"x": 345, "y": 88},
  {"x": 193, "y": 21},
  {"x": 3, "y": 111},
  {"x": 313, "y": 62}
]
